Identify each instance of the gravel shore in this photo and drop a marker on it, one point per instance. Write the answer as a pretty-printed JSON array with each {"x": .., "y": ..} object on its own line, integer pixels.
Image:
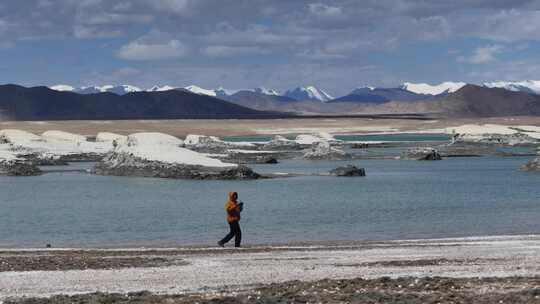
[
  {"x": 383, "y": 290},
  {"x": 280, "y": 273}
]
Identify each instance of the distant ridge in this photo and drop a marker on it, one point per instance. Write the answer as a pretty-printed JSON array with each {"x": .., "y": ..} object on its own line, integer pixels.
[
  {"x": 370, "y": 95},
  {"x": 42, "y": 103},
  {"x": 472, "y": 101},
  {"x": 477, "y": 101}
]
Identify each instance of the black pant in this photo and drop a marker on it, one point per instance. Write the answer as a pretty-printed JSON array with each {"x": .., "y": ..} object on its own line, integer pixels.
[{"x": 236, "y": 232}]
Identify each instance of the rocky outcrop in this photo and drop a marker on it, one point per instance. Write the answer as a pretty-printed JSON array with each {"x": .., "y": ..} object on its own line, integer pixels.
[
  {"x": 533, "y": 165},
  {"x": 348, "y": 171},
  {"x": 516, "y": 139},
  {"x": 251, "y": 158},
  {"x": 154, "y": 155},
  {"x": 324, "y": 151},
  {"x": 280, "y": 143},
  {"x": 212, "y": 144},
  {"x": 422, "y": 154},
  {"x": 40, "y": 159},
  {"x": 310, "y": 139},
  {"x": 124, "y": 164},
  {"x": 18, "y": 168}
]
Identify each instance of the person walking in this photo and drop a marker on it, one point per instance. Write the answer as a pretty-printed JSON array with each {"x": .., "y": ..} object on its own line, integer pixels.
[{"x": 233, "y": 209}]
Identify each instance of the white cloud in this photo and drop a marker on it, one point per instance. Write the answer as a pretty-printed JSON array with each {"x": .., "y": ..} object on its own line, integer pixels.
[
  {"x": 228, "y": 51},
  {"x": 481, "y": 55},
  {"x": 323, "y": 10},
  {"x": 139, "y": 50}
]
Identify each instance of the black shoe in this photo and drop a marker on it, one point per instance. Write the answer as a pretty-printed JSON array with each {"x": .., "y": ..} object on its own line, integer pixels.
[{"x": 220, "y": 244}]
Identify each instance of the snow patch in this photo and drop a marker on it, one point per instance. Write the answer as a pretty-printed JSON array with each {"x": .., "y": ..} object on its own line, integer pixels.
[
  {"x": 158, "y": 88},
  {"x": 528, "y": 86},
  {"x": 308, "y": 93},
  {"x": 198, "y": 90},
  {"x": 62, "y": 88},
  {"x": 424, "y": 88}
]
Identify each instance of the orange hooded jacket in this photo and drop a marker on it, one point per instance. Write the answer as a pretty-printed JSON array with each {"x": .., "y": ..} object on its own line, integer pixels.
[{"x": 232, "y": 208}]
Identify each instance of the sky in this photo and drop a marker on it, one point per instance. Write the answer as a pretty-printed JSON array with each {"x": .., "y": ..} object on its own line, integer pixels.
[{"x": 335, "y": 45}]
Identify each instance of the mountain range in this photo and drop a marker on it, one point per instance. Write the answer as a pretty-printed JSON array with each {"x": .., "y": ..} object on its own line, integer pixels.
[
  {"x": 372, "y": 95},
  {"x": 42, "y": 103},
  {"x": 129, "y": 102}
]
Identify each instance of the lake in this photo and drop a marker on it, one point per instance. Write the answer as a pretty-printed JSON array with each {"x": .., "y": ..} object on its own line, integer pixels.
[{"x": 398, "y": 199}]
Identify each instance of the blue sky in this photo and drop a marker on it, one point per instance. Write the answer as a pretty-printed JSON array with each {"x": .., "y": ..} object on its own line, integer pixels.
[{"x": 336, "y": 45}]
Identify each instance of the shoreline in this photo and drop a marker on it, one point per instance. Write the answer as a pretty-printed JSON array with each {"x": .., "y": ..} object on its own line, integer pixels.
[
  {"x": 210, "y": 270},
  {"x": 234, "y": 127},
  {"x": 273, "y": 245}
]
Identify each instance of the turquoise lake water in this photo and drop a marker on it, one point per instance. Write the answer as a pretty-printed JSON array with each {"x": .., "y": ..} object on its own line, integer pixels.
[
  {"x": 398, "y": 199},
  {"x": 357, "y": 137}
]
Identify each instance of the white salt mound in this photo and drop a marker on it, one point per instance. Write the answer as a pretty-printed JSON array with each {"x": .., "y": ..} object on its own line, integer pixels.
[
  {"x": 473, "y": 129},
  {"x": 15, "y": 136},
  {"x": 109, "y": 137},
  {"x": 309, "y": 139},
  {"x": 165, "y": 148},
  {"x": 193, "y": 139},
  {"x": 62, "y": 136},
  {"x": 155, "y": 138},
  {"x": 6, "y": 156}
]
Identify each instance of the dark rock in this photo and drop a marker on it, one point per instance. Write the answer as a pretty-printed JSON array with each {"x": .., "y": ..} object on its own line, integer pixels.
[
  {"x": 82, "y": 157},
  {"x": 533, "y": 165},
  {"x": 348, "y": 171},
  {"x": 19, "y": 168},
  {"x": 123, "y": 164},
  {"x": 433, "y": 155},
  {"x": 271, "y": 160},
  {"x": 41, "y": 160},
  {"x": 422, "y": 154},
  {"x": 359, "y": 146}
]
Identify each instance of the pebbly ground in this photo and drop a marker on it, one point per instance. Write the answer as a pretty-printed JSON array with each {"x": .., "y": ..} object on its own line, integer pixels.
[
  {"x": 382, "y": 290},
  {"x": 495, "y": 268}
]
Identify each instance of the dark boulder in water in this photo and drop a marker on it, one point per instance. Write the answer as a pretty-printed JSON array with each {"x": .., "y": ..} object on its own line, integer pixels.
[
  {"x": 348, "y": 171},
  {"x": 271, "y": 160},
  {"x": 433, "y": 155},
  {"x": 533, "y": 165},
  {"x": 422, "y": 154}
]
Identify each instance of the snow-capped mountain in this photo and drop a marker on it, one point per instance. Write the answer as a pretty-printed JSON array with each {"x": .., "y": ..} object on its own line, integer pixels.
[
  {"x": 62, "y": 88},
  {"x": 529, "y": 86},
  {"x": 441, "y": 88},
  {"x": 158, "y": 88},
  {"x": 224, "y": 92},
  {"x": 119, "y": 89},
  {"x": 308, "y": 93},
  {"x": 198, "y": 90},
  {"x": 265, "y": 91}
]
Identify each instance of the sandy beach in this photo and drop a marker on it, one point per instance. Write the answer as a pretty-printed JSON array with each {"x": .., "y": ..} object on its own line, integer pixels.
[{"x": 204, "y": 272}]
